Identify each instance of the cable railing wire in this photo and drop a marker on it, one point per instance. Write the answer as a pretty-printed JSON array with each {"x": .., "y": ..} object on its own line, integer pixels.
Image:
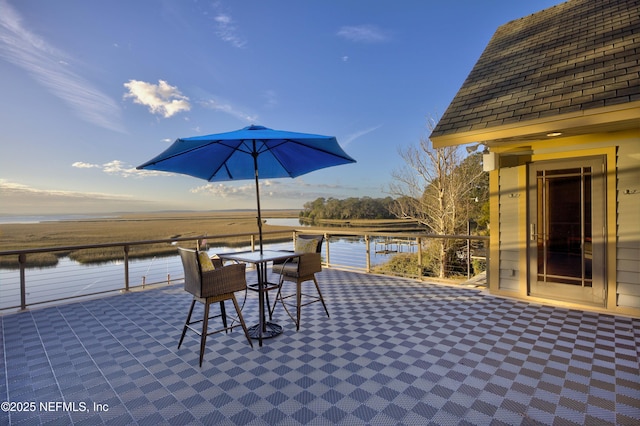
[{"x": 26, "y": 285}]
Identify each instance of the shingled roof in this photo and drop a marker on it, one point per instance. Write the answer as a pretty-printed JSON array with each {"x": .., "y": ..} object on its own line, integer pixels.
[{"x": 571, "y": 58}]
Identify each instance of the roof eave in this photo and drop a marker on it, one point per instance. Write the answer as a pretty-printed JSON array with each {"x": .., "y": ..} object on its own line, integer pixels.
[{"x": 617, "y": 117}]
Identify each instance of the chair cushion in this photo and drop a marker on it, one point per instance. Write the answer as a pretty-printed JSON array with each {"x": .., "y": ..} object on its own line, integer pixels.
[
  {"x": 290, "y": 269},
  {"x": 205, "y": 262},
  {"x": 304, "y": 245},
  {"x": 308, "y": 264}
]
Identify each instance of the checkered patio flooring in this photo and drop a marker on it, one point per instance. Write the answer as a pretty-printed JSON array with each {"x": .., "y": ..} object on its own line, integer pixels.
[{"x": 395, "y": 351}]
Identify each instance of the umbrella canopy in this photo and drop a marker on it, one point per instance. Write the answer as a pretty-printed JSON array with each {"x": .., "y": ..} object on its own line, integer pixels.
[{"x": 249, "y": 153}]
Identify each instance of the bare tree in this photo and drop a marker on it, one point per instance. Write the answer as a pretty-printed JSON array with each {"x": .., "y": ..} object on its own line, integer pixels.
[{"x": 435, "y": 189}]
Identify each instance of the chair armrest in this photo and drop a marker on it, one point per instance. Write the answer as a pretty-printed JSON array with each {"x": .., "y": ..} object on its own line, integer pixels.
[
  {"x": 287, "y": 261},
  {"x": 227, "y": 279},
  {"x": 304, "y": 265}
]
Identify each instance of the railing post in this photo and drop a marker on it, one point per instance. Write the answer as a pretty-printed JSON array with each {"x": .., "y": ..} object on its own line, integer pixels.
[
  {"x": 468, "y": 257},
  {"x": 326, "y": 238},
  {"x": 366, "y": 243},
  {"x": 487, "y": 261},
  {"x": 126, "y": 268},
  {"x": 419, "y": 241},
  {"x": 22, "y": 260},
  {"x": 253, "y": 242}
]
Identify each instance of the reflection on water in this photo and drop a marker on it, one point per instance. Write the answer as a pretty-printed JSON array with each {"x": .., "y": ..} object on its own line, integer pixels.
[
  {"x": 69, "y": 278},
  {"x": 285, "y": 222}
]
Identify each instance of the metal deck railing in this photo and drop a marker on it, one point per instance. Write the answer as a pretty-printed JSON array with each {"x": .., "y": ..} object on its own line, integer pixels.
[{"x": 25, "y": 285}]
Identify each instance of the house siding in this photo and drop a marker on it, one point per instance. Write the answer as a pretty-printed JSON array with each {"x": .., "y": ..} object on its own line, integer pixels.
[
  {"x": 628, "y": 225},
  {"x": 510, "y": 274},
  {"x": 570, "y": 70}
]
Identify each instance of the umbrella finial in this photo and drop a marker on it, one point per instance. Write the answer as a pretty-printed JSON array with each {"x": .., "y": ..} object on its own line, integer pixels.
[{"x": 255, "y": 127}]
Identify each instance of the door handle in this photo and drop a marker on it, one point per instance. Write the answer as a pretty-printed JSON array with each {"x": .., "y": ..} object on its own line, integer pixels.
[{"x": 532, "y": 232}]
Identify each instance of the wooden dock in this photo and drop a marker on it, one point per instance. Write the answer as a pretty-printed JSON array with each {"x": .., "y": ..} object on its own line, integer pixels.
[{"x": 394, "y": 245}]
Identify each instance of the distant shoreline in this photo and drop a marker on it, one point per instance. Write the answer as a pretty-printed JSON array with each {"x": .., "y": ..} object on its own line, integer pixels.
[
  {"x": 24, "y": 219},
  {"x": 78, "y": 230},
  {"x": 6, "y": 219}
]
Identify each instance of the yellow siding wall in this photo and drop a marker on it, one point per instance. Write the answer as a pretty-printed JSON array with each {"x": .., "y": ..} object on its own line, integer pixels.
[
  {"x": 628, "y": 224},
  {"x": 510, "y": 193},
  {"x": 623, "y": 210}
]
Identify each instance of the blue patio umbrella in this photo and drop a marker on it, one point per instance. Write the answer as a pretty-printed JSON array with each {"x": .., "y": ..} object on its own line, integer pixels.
[{"x": 250, "y": 153}]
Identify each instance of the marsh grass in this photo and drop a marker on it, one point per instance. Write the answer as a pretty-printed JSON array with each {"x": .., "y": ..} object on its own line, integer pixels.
[
  {"x": 403, "y": 264},
  {"x": 129, "y": 228},
  {"x": 39, "y": 260},
  {"x": 148, "y": 227}
]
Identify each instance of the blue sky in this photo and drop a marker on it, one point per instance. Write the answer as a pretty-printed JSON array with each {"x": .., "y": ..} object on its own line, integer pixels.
[{"x": 91, "y": 89}]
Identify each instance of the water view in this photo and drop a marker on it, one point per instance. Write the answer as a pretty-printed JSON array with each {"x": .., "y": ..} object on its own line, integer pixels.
[
  {"x": 71, "y": 279},
  {"x": 48, "y": 218}
]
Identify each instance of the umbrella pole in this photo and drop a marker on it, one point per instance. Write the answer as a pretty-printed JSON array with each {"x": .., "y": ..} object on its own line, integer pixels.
[{"x": 254, "y": 154}]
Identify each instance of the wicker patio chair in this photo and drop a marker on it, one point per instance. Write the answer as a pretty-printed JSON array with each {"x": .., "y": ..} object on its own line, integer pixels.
[
  {"x": 211, "y": 284},
  {"x": 299, "y": 270}
]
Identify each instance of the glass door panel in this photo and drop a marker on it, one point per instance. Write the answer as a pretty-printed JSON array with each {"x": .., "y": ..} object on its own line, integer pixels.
[{"x": 563, "y": 217}]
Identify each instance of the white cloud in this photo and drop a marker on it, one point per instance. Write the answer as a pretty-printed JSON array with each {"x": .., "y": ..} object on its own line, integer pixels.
[
  {"x": 81, "y": 165},
  {"x": 225, "y": 191},
  {"x": 276, "y": 189},
  {"x": 23, "y": 199},
  {"x": 13, "y": 188},
  {"x": 352, "y": 137},
  {"x": 162, "y": 98},
  {"x": 119, "y": 168},
  {"x": 49, "y": 67},
  {"x": 229, "y": 109},
  {"x": 227, "y": 31},
  {"x": 363, "y": 34},
  {"x": 8, "y": 186}
]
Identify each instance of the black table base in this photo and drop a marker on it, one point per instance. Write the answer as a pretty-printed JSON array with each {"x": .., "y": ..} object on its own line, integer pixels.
[{"x": 271, "y": 330}]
